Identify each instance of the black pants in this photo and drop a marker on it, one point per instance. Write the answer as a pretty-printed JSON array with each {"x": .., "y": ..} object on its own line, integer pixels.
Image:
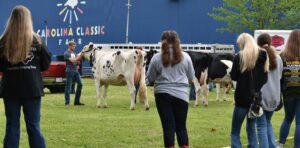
[{"x": 173, "y": 113}]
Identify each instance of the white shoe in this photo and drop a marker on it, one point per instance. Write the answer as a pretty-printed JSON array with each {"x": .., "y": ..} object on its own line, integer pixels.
[{"x": 280, "y": 145}]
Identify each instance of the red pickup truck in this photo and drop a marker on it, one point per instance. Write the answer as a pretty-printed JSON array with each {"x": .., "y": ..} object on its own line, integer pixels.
[{"x": 55, "y": 77}]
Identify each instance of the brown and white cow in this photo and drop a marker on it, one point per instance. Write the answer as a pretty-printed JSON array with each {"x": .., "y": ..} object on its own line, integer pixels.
[{"x": 116, "y": 67}]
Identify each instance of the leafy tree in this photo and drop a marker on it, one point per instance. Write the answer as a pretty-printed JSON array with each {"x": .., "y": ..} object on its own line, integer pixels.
[{"x": 249, "y": 15}]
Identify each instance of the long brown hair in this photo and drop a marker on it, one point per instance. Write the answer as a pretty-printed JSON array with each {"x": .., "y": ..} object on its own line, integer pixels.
[
  {"x": 170, "y": 38},
  {"x": 292, "y": 48},
  {"x": 264, "y": 41},
  {"x": 18, "y": 35}
]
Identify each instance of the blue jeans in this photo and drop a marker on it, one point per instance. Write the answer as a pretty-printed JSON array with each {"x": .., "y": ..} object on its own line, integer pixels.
[
  {"x": 70, "y": 76},
  {"x": 266, "y": 136},
  {"x": 210, "y": 86},
  {"x": 192, "y": 92},
  {"x": 239, "y": 114},
  {"x": 73, "y": 87},
  {"x": 31, "y": 110},
  {"x": 292, "y": 109}
]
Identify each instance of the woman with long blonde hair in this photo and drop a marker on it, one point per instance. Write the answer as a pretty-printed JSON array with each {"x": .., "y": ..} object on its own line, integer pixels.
[
  {"x": 22, "y": 58},
  {"x": 250, "y": 67},
  {"x": 290, "y": 88},
  {"x": 171, "y": 71}
]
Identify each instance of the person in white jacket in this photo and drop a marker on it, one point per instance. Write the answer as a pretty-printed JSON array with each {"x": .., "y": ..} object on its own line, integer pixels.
[{"x": 270, "y": 94}]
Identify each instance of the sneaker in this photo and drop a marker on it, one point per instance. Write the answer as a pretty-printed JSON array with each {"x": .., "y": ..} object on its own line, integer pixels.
[
  {"x": 280, "y": 145},
  {"x": 78, "y": 103},
  {"x": 67, "y": 104}
]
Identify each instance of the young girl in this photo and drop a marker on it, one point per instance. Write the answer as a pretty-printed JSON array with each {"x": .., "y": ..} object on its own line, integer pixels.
[
  {"x": 270, "y": 94},
  {"x": 290, "y": 88},
  {"x": 250, "y": 65},
  {"x": 22, "y": 58},
  {"x": 171, "y": 71}
]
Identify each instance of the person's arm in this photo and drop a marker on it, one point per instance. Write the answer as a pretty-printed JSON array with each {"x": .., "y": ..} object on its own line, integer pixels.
[
  {"x": 264, "y": 77},
  {"x": 280, "y": 66},
  {"x": 45, "y": 57},
  {"x": 75, "y": 59},
  {"x": 1, "y": 64},
  {"x": 68, "y": 57},
  {"x": 152, "y": 72},
  {"x": 282, "y": 86},
  {"x": 191, "y": 70},
  {"x": 78, "y": 59},
  {"x": 1, "y": 57},
  {"x": 235, "y": 68}
]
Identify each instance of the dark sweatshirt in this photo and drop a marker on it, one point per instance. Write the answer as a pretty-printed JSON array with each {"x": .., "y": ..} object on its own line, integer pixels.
[
  {"x": 290, "y": 82},
  {"x": 24, "y": 80},
  {"x": 243, "y": 95}
]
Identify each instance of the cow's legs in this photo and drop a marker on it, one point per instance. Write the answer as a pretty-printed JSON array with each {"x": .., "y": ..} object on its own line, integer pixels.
[
  {"x": 205, "y": 94},
  {"x": 204, "y": 77},
  {"x": 225, "y": 88},
  {"x": 131, "y": 87},
  {"x": 197, "y": 91},
  {"x": 98, "y": 91},
  {"x": 227, "y": 91},
  {"x": 144, "y": 96},
  {"x": 105, "y": 95},
  {"x": 218, "y": 91},
  {"x": 143, "y": 89}
]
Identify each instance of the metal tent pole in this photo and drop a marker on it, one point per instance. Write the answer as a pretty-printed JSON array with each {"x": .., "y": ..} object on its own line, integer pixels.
[{"x": 127, "y": 23}]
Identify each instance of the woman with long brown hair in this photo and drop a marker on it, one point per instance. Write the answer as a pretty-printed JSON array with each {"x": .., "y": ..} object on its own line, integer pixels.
[
  {"x": 22, "y": 58},
  {"x": 171, "y": 71},
  {"x": 290, "y": 84},
  {"x": 270, "y": 94}
]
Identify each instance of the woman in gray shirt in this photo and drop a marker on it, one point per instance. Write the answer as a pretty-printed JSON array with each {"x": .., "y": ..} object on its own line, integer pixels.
[
  {"x": 270, "y": 94},
  {"x": 171, "y": 70}
]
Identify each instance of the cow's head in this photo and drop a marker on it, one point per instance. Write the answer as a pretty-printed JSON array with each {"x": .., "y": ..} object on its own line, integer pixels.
[
  {"x": 140, "y": 58},
  {"x": 149, "y": 56},
  {"x": 88, "y": 52}
]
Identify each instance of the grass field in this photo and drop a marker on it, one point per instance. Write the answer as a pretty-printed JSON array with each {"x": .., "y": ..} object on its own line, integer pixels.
[{"x": 118, "y": 127}]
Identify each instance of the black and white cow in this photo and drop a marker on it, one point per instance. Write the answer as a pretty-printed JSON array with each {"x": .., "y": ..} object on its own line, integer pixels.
[
  {"x": 213, "y": 67},
  {"x": 209, "y": 67},
  {"x": 148, "y": 57},
  {"x": 218, "y": 72}
]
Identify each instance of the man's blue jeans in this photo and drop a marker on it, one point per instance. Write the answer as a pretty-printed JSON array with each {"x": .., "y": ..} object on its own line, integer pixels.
[
  {"x": 31, "y": 109},
  {"x": 292, "y": 109},
  {"x": 70, "y": 76},
  {"x": 266, "y": 136},
  {"x": 239, "y": 114}
]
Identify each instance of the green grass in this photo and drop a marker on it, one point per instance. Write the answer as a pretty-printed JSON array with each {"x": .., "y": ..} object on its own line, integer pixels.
[{"x": 118, "y": 127}]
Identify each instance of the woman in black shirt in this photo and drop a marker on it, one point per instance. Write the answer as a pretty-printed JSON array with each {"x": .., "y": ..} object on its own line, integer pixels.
[
  {"x": 250, "y": 65},
  {"x": 22, "y": 58}
]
